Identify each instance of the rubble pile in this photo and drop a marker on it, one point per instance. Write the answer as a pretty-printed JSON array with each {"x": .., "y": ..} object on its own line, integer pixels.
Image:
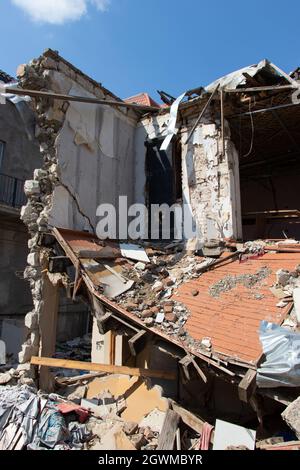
[
  {"x": 154, "y": 285},
  {"x": 32, "y": 420},
  {"x": 78, "y": 349},
  {"x": 247, "y": 280}
]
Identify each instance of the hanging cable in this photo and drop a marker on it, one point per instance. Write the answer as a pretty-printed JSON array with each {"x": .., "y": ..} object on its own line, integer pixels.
[{"x": 252, "y": 130}]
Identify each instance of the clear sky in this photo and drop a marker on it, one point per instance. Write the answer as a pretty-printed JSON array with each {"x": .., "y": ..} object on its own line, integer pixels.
[{"x": 144, "y": 45}]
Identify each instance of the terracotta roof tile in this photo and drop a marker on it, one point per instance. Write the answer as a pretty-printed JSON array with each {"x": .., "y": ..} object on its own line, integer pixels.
[{"x": 233, "y": 318}]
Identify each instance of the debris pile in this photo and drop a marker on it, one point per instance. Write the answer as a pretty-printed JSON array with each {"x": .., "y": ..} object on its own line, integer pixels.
[
  {"x": 78, "y": 349},
  {"x": 150, "y": 298},
  {"x": 247, "y": 280}
]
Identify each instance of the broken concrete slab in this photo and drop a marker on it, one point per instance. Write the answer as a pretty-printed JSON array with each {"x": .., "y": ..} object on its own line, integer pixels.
[{"x": 291, "y": 416}]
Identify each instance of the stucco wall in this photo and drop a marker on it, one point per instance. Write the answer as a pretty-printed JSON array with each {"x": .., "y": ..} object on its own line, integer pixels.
[{"x": 95, "y": 158}]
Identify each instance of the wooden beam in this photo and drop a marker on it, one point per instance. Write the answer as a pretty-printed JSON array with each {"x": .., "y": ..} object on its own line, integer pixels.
[
  {"x": 264, "y": 110},
  {"x": 185, "y": 362},
  {"x": 105, "y": 323},
  {"x": 191, "y": 420},
  {"x": 48, "y": 326},
  {"x": 199, "y": 370},
  {"x": 260, "y": 88},
  {"x": 110, "y": 369},
  {"x": 102, "y": 253},
  {"x": 188, "y": 360},
  {"x": 137, "y": 342},
  {"x": 247, "y": 385},
  {"x": 168, "y": 433}
]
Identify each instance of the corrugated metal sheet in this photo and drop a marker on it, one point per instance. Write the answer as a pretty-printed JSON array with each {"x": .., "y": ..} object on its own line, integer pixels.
[{"x": 232, "y": 320}]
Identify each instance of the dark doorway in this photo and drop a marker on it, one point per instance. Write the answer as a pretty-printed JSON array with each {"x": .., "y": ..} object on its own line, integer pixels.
[{"x": 161, "y": 181}]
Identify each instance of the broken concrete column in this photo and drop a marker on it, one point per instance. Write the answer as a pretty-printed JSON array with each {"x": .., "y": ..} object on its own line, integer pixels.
[
  {"x": 39, "y": 192},
  {"x": 211, "y": 183}
]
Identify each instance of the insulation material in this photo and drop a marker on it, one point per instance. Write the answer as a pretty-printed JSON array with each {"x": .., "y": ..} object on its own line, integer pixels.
[
  {"x": 281, "y": 348},
  {"x": 171, "y": 130}
]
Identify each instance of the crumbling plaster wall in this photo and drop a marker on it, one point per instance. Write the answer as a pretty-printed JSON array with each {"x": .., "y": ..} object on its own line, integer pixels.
[
  {"x": 95, "y": 150},
  {"x": 210, "y": 180},
  {"x": 88, "y": 158}
]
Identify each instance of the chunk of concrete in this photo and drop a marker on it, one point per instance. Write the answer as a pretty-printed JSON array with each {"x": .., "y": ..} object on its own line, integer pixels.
[
  {"x": 291, "y": 416},
  {"x": 31, "y": 187},
  {"x": 154, "y": 420},
  {"x": 130, "y": 428}
]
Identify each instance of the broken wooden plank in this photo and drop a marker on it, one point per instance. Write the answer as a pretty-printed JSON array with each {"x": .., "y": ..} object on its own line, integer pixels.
[
  {"x": 185, "y": 362},
  {"x": 78, "y": 378},
  {"x": 178, "y": 439},
  {"x": 168, "y": 433},
  {"x": 202, "y": 114},
  {"x": 137, "y": 342},
  {"x": 191, "y": 420},
  {"x": 105, "y": 323},
  {"x": 247, "y": 385},
  {"x": 106, "y": 252},
  {"x": 199, "y": 370},
  {"x": 110, "y": 369}
]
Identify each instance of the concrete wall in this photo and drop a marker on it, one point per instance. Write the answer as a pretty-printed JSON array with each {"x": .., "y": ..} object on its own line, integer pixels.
[{"x": 95, "y": 158}]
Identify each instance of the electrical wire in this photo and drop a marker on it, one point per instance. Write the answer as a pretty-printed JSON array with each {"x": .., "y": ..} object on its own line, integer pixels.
[{"x": 252, "y": 130}]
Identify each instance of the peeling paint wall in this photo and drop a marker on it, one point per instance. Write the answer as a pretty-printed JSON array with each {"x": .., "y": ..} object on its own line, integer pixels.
[{"x": 211, "y": 183}]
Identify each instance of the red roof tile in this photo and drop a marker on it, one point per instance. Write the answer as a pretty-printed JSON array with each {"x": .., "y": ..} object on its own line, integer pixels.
[
  {"x": 142, "y": 99},
  {"x": 232, "y": 320}
]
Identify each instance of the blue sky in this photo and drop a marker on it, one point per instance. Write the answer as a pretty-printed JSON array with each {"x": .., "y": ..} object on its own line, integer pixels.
[{"x": 144, "y": 45}]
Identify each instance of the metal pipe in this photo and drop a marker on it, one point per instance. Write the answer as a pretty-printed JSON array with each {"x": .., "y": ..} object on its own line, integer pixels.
[
  {"x": 201, "y": 114},
  {"x": 80, "y": 99}
]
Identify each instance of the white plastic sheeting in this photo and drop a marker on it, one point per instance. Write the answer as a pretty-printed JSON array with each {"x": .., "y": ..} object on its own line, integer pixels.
[
  {"x": 171, "y": 130},
  {"x": 281, "y": 348}
]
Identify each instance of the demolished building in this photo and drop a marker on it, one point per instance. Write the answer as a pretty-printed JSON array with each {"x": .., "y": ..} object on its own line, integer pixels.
[{"x": 190, "y": 308}]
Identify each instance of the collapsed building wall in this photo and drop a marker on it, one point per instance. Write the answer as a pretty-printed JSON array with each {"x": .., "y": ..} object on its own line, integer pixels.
[
  {"x": 210, "y": 179},
  {"x": 84, "y": 148}
]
